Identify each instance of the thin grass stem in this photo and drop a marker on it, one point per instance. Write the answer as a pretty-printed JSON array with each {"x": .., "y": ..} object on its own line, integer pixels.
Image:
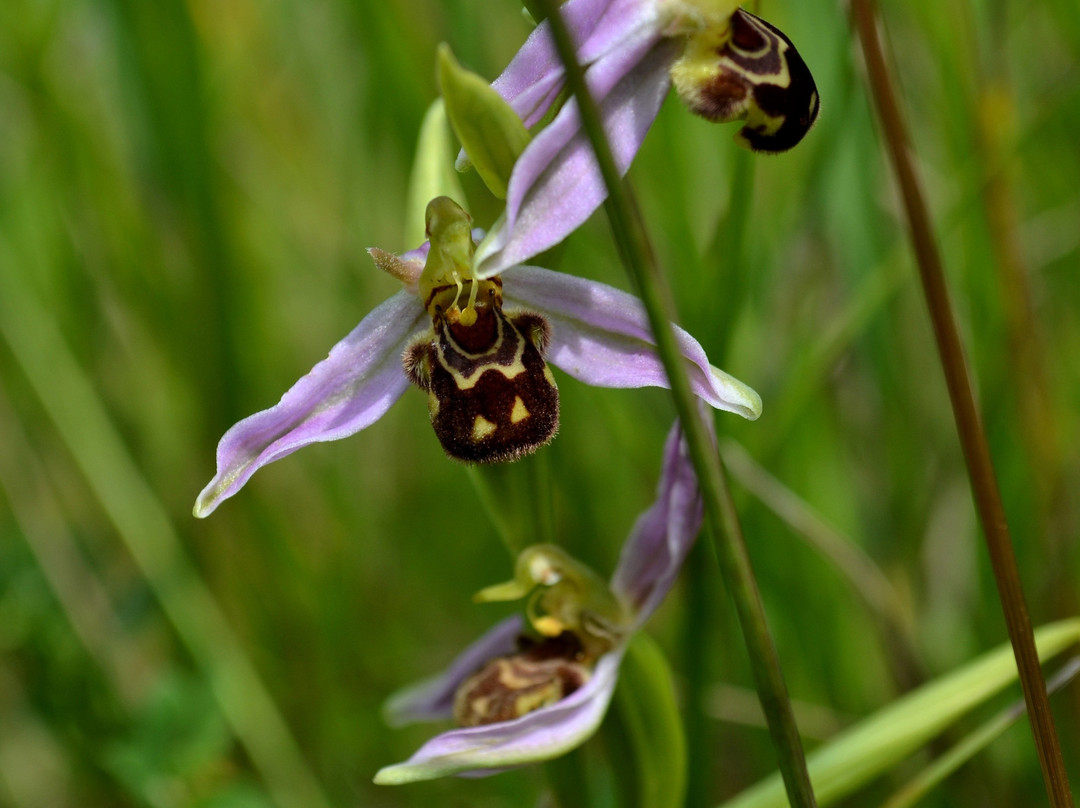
[
  {"x": 722, "y": 520},
  {"x": 862, "y": 574},
  {"x": 700, "y": 621},
  {"x": 968, "y": 422}
]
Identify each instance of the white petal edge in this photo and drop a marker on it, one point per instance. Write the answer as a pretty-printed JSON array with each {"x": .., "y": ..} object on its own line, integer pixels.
[
  {"x": 433, "y": 699},
  {"x": 601, "y": 336}
]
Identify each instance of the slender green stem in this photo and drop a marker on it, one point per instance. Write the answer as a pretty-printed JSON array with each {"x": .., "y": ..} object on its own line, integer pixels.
[
  {"x": 968, "y": 422},
  {"x": 489, "y": 501},
  {"x": 700, "y": 621},
  {"x": 538, "y": 469},
  {"x": 721, "y": 518}
]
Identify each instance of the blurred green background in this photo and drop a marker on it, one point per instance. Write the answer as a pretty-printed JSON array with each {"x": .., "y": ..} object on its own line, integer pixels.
[{"x": 186, "y": 192}]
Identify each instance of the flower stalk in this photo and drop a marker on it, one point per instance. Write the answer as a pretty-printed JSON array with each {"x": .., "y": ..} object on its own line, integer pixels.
[
  {"x": 640, "y": 262},
  {"x": 973, "y": 440}
]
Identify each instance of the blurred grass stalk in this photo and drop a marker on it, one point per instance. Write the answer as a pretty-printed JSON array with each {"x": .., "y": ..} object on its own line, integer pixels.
[
  {"x": 81, "y": 419},
  {"x": 79, "y": 590},
  {"x": 969, "y": 426},
  {"x": 34, "y": 767},
  {"x": 894, "y": 620},
  {"x": 995, "y": 144},
  {"x": 723, "y": 522}
]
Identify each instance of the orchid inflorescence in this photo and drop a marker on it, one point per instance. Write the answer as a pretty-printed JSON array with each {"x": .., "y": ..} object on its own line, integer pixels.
[
  {"x": 531, "y": 690},
  {"x": 477, "y": 328},
  {"x": 593, "y": 332}
]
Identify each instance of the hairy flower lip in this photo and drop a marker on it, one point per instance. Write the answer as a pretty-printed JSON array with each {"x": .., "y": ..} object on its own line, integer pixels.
[
  {"x": 648, "y": 567},
  {"x": 600, "y": 336}
]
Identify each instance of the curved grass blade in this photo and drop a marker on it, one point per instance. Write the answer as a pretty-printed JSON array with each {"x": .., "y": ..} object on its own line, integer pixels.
[
  {"x": 878, "y": 742},
  {"x": 974, "y": 743}
]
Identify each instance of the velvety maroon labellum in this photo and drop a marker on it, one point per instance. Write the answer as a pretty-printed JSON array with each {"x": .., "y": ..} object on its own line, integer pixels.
[{"x": 491, "y": 396}]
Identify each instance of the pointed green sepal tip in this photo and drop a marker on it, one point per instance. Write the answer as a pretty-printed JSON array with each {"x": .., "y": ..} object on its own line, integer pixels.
[
  {"x": 490, "y": 131},
  {"x": 433, "y": 171},
  {"x": 397, "y": 775}
]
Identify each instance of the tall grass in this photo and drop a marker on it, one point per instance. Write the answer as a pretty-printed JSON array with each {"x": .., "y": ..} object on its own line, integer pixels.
[{"x": 186, "y": 192}]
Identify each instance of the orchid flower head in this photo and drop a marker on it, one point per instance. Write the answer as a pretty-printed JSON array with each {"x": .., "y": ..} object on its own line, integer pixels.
[
  {"x": 533, "y": 688},
  {"x": 491, "y": 395},
  {"x": 480, "y": 349},
  {"x": 725, "y": 64}
]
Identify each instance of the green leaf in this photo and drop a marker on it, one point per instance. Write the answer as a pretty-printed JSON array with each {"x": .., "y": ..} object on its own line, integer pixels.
[
  {"x": 491, "y": 132},
  {"x": 973, "y": 743},
  {"x": 649, "y": 717},
  {"x": 878, "y": 742},
  {"x": 433, "y": 172}
]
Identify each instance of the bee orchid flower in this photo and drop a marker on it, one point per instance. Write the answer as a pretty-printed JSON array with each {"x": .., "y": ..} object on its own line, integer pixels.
[
  {"x": 725, "y": 64},
  {"x": 491, "y": 395},
  {"x": 532, "y": 689}
]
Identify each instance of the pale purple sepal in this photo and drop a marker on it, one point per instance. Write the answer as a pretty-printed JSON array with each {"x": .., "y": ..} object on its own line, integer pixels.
[
  {"x": 662, "y": 536},
  {"x": 556, "y": 184},
  {"x": 601, "y": 336},
  {"x": 533, "y": 79},
  {"x": 433, "y": 699},
  {"x": 539, "y": 735},
  {"x": 349, "y": 390}
]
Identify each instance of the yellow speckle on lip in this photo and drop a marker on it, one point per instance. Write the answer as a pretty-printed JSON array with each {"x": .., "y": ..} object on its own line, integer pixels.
[
  {"x": 520, "y": 412},
  {"x": 481, "y": 428},
  {"x": 549, "y": 626}
]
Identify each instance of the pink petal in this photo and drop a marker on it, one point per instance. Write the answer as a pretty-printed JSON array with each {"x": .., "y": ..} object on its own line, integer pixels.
[
  {"x": 601, "y": 336},
  {"x": 349, "y": 390}
]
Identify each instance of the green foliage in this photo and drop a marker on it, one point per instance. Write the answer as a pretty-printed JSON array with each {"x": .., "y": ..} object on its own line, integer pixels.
[
  {"x": 654, "y": 773},
  {"x": 491, "y": 133},
  {"x": 883, "y": 740},
  {"x": 186, "y": 192}
]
